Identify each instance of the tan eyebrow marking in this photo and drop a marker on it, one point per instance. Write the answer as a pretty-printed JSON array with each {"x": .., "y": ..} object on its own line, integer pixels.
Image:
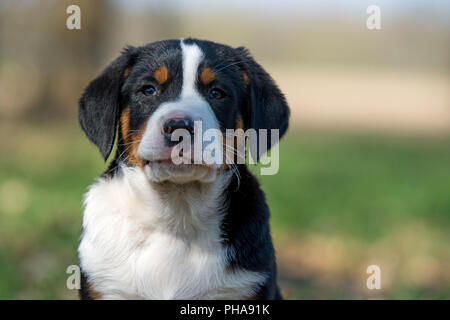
[
  {"x": 161, "y": 74},
  {"x": 207, "y": 76}
]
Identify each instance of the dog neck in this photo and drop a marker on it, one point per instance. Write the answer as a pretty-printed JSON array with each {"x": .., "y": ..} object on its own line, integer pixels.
[{"x": 185, "y": 210}]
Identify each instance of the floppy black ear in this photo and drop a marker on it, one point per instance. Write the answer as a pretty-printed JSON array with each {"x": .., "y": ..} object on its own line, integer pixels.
[
  {"x": 100, "y": 104},
  {"x": 267, "y": 107}
]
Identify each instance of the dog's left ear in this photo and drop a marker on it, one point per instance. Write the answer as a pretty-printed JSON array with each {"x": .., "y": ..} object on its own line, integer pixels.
[
  {"x": 101, "y": 103},
  {"x": 267, "y": 107}
]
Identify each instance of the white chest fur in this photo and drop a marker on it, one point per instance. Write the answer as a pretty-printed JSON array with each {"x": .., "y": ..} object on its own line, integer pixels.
[{"x": 143, "y": 243}]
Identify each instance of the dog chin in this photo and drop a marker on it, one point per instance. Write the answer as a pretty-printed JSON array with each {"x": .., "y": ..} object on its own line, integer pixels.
[{"x": 161, "y": 171}]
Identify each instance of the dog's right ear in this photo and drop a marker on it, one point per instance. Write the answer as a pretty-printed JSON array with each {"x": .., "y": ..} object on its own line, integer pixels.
[{"x": 100, "y": 105}]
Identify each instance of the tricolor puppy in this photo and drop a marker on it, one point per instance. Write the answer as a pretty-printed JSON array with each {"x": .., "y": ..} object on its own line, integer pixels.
[{"x": 153, "y": 229}]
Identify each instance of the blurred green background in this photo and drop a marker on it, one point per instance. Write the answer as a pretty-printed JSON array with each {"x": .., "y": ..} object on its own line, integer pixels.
[{"x": 364, "y": 169}]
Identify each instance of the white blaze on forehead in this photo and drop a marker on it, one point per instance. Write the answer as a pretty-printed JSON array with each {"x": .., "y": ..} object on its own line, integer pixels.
[
  {"x": 191, "y": 104},
  {"x": 192, "y": 56}
]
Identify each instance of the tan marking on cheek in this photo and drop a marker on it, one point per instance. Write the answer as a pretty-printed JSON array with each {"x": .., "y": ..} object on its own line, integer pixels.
[
  {"x": 131, "y": 140},
  {"x": 161, "y": 74},
  {"x": 246, "y": 78},
  {"x": 135, "y": 141},
  {"x": 125, "y": 124},
  {"x": 239, "y": 122},
  {"x": 231, "y": 142},
  {"x": 226, "y": 152},
  {"x": 126, "y": 73},
  {"x": 207, "y": 76}
]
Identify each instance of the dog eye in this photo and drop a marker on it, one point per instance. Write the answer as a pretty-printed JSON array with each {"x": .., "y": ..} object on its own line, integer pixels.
[
  {"x": 149, "y": 90},
  {"x": 217, "y": 93}
]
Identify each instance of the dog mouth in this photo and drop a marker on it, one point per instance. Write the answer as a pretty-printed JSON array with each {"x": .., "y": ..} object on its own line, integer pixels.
[
  {"x": 166, "y": 162},
  {"x": 161, "y": 161},
  {"x": 166, "y": 170},
  {"x": 169, "y": 164}
]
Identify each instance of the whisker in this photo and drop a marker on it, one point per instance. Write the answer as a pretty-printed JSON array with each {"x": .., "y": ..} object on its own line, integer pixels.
[
  {"x": 227, "y": 66},
  {"x": 236, "y": 151},
  {"x": 231, "y": 64},
  {"x": 235, "y": 171},
  {"x": 128, "y": 149}
]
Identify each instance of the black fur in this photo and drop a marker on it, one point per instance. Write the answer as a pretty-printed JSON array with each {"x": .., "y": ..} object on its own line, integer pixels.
[
  {"x": 259, "y": 102},
  {"x": 100, "y": 104},
  {"x": 267, "y": 105},
  {"x": 246, "y": 230}
]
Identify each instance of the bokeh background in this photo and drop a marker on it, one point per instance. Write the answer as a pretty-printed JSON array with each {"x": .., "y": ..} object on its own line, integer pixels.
[{"x": 364, "y": 169}]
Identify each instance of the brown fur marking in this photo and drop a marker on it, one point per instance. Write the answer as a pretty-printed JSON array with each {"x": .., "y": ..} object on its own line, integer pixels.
[
  {"x": 239, "y": 122},
  {"x": 246, "y": 78},
  {"x": 131, "y": 140},
  {"x": 93, "y": 294},
  {"x": 161, "y": 74},
  {"x": 231, "y": 142},
  {"x": 135, "y": 139},
  {"x": 207, "y": 76},
  {"x": 126, "y": 73},
  {"x": 125, "y": 124}
]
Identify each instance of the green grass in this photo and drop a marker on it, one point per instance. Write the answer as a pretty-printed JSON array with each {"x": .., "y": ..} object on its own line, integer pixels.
[
  {"x": 359, "y": 186},
  {"x": 360, "y": 189}
]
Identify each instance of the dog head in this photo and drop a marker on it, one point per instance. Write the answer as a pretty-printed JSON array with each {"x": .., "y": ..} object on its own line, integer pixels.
[{"x": 150, "y": 93}]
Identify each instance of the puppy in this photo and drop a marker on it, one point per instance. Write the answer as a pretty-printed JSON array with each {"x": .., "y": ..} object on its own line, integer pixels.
[{"x": 154, "y": 229}]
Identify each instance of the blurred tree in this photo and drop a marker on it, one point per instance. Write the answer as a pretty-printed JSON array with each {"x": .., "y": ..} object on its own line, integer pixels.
[
  {"x": 55, "y": 63},
  {"x": 72, "y": 54}
]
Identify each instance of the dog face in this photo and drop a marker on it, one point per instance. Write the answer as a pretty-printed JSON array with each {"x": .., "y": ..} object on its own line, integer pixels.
[{"x": 150, "y": 92}]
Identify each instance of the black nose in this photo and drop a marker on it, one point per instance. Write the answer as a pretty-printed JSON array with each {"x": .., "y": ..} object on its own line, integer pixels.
[{"x": 178, "y": 123}]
